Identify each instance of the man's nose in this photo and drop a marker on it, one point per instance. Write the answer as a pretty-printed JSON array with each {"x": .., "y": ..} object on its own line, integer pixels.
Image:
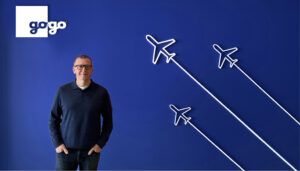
[{"x": 84, "y": 68}]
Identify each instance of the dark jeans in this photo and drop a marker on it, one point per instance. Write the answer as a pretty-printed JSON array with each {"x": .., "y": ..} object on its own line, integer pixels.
[{"x": 77, "y": 157}]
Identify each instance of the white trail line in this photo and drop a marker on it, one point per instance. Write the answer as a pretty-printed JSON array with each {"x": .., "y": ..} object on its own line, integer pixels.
[
  {"x": 234, "y": 115},
  {"x": 225, "y": 55},
  {"x": 160, "y": 49},
  {"x": 180, "y": 114}
]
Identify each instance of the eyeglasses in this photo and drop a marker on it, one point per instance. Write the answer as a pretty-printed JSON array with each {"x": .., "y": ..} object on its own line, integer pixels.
[{"x": 80, "y": 67}]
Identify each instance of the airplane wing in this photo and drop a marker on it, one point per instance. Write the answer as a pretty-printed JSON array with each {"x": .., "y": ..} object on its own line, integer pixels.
[
  {"x": 176, "y": 119},
  {"x": 221, "y": 60},
  {"x": 156, "y": 54}
]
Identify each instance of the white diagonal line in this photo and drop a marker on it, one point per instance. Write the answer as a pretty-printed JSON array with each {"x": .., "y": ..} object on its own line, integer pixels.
[
  {"x": 235, "y": 116},
  {"x": 208, "y": 139},
  {"x": 270, "y": 97}
]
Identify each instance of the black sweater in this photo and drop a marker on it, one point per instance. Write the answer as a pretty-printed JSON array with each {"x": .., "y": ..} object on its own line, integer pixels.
[{"x": 76, "y": 116}]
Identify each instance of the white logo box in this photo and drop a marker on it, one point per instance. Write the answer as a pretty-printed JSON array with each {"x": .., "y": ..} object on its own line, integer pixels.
[{"x": 27, "y": 14}]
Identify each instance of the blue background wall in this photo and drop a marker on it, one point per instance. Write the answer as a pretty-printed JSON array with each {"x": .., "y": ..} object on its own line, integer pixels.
[{"x": 144, "y": 137}]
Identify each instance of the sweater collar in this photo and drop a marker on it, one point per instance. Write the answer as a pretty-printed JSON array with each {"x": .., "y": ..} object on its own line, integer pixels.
[{"x": 74, "y": 85}]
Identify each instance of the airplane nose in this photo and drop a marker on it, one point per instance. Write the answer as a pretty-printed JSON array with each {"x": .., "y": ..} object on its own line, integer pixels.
[
  {"x": 151, "y": 40},
  {"x": 148, "y": 37},
  {"x": 217, "y": 47},
  {"x": 172, "y": 107}
]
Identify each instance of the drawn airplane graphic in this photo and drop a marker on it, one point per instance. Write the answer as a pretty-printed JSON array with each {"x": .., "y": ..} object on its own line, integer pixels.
[
  {"x": 180, "y": 113},
  {"x": 160, "y": 48},
  {"x": 225, "y": 55}
]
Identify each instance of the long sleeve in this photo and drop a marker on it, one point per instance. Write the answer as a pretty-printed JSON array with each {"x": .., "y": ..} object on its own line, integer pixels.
[
  {"x": 55, "y": 120},
  {"x": 107, "y": 121}
]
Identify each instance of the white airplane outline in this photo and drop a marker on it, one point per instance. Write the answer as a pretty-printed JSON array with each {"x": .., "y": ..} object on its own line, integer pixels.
[
  {"x": 224, "y": 54},
  {"x": 180, "y": 114},
  {"x": 160, "y": 48}
]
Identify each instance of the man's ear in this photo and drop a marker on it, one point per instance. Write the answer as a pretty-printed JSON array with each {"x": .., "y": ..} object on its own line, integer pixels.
[{"x": 73, "y": 70}]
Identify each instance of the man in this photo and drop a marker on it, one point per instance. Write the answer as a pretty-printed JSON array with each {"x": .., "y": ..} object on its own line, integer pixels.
[{"x": 75, "y": 121}]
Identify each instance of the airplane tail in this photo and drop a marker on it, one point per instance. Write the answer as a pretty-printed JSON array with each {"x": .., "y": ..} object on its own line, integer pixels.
[
  {"x": 170, "y": 56},
  {"x": 233, "y": 61}
]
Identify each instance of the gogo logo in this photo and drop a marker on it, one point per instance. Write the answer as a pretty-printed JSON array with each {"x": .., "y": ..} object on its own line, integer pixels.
[
  {"x": 52, "y": 25},
  {"x": 32, "y": 21}
]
